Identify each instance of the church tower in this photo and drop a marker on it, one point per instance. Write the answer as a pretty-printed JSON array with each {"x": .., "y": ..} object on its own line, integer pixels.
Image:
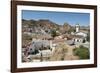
[{"x": 77, "y": 27}]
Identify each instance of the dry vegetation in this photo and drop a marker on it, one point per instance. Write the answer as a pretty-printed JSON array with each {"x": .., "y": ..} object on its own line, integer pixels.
[{"x": 63, "y": 52}]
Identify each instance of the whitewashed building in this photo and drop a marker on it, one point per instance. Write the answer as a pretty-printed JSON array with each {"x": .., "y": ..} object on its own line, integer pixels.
[{"x": 79, "y": 37}]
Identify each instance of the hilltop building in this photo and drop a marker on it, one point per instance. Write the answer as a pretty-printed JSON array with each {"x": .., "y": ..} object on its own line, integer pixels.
[{"x": 78, "y": 36}]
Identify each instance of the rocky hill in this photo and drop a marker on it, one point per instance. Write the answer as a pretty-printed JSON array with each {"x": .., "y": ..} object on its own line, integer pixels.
[{"x": 45, "y": 26}]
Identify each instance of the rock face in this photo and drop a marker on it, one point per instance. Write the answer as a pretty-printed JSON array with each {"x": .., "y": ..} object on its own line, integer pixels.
[{"x": 44, "y": 26}]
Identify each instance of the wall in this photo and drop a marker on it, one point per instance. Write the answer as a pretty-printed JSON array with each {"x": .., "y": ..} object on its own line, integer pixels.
[{"x": 5, "y": 36}]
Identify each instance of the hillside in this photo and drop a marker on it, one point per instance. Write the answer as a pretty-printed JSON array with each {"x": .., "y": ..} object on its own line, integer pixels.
[{"x": 45, "y": 26}]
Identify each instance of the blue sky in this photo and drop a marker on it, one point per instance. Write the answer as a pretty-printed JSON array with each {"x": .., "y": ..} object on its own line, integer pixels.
[{"x": 58, "y": 17}]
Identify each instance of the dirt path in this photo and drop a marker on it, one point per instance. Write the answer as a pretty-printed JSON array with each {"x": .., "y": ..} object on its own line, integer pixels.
[
  {"x": 63, "y": 52},
  {"x": 70, "y": 54}
]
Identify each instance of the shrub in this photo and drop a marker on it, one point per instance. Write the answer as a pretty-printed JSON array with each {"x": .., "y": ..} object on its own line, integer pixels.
[
  {"x": 82, "y": 52},
  {"x": 53, "y": 33},
  {"x": 88, "y": 37}
]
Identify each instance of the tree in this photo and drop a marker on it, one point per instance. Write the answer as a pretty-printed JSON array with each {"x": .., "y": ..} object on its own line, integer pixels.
[
  {"x": 65, "y": 24},
  {"x": 53, "y": 33},
  {"x": 82, "y": 52},
  {"x": 84, "y": 40},
  {"x": 71, "y": 30},
  {"x": 88, "y": 36}
]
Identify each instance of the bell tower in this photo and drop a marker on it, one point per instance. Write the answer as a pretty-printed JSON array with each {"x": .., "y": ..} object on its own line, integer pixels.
[{"x": 77, "y": 27}]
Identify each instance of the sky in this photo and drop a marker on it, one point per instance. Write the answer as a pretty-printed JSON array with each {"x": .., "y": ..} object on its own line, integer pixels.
[{"x": 60, "y": 18}]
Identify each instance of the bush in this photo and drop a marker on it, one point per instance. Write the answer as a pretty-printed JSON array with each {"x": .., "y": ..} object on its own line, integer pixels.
[
  {"x": 88, "y": 37},
  {"x": 53, "y": 33},
  {"x": 82, "y": 52},
  {"x": 26, "y": 37}
]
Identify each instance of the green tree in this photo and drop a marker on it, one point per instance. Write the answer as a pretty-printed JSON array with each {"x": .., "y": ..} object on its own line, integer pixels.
[
  {"x": 53, "y": 33},
  {"x": 71, "y": 30},
  {"x": 82, "y": 52},
  {"x": 88, "y": 36},
  {"x": 66, "y": 23}
]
